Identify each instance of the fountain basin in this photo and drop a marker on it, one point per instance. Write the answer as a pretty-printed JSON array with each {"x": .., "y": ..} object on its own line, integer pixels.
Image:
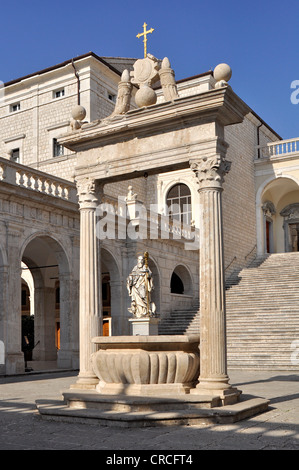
[{"x": 146, "y": 365}]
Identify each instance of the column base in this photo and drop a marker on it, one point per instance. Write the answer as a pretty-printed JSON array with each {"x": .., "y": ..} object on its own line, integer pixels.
[
  {"x": 86, "y": 382},
  {"x": 14, "y": 364},
  {"x": 218, "y": 387}
]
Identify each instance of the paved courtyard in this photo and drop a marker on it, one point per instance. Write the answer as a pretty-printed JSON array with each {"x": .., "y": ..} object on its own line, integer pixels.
[{"x": 21, "y": 428}]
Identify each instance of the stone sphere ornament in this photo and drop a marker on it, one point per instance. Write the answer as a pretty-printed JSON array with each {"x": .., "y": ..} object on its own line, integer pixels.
[
  {"x": 222, "y": 74},
  {"x": 145, "y": 96},
  {"x": 78, "y": 113}
]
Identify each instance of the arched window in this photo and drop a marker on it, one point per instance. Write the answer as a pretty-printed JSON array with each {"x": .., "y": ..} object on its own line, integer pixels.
[{"x": 178, "y": 201}]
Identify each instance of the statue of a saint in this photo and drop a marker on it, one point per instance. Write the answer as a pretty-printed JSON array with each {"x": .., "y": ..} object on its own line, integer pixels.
[{"x": 140, "y": 285}]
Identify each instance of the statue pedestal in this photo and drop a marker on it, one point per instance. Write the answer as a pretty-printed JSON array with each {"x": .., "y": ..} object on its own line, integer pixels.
[{"x": 145, "y": 326}]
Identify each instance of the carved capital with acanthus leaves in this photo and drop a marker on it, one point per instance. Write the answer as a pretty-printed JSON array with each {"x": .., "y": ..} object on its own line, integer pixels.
[
  {"x": 90, "y": 193},
  {"x": 210, "y": 171}
]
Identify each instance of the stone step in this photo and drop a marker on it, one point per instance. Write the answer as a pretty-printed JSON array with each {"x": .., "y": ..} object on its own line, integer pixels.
[{"x": 262, "y": 304}]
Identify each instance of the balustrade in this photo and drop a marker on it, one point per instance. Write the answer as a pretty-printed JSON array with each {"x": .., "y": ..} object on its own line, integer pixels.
[
  {"x": 25, "y": 177},
  {"x": 280, "y": 148}
]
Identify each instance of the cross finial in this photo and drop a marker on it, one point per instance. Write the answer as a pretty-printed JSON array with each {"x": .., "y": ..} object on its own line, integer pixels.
[{"x": 145, "y": 32}]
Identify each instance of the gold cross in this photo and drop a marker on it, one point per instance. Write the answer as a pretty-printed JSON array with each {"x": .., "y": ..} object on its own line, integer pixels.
[{"x": 145, "y": 32}]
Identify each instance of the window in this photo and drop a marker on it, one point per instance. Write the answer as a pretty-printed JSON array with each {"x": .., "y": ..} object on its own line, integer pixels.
[
  {"x": 112, "y": 97},
  {"x": 58, "y": 150},
  {"x": 178, "y": 201},
  {"x": 15, "y": 155},
  {"x": 15, "y": 107},
  {"x": 58, "y": 93}
]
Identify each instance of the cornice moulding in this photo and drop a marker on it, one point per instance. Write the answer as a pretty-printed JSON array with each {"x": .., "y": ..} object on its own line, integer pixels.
[{"x": 221, "y": 105}]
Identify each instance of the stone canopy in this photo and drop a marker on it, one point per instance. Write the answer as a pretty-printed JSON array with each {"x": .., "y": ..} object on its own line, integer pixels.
[{"x": 186, "y": 132}]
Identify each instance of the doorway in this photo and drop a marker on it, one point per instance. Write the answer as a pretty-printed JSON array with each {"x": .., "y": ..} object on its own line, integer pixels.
[
  {"x": 45, "y": 260},
  {"x": 294, "y": 236},
  {"x": 106, "y": 299}
]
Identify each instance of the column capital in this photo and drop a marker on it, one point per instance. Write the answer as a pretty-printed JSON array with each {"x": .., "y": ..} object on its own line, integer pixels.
[
  {"x": 210, "y": 171},
  {"x": 90, "y": 192}
]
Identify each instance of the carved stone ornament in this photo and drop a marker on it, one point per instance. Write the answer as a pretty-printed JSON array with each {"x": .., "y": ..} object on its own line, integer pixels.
[
  {"x": 146, "y": 71},
  {"x": 124, "y": 94},
  {"x": 210, "y": 171},
  {"x": 131, "y": 196},
  {"x": 88, "y": 192},
  {"x": 291, "y": 212},
  {"x": 78, "y": 114},
  {"x": 168, "y": 81},
  {"x": 268, "y": 209}
]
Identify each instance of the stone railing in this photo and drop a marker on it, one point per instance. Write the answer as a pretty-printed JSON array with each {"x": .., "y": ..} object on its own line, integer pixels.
[
  {"x": 43, "y": 183},
  {"x": 281, "y": 148}
]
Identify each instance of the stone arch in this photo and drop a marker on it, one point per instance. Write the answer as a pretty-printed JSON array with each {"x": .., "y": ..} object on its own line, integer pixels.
[
  {"x": 56, "y": 245},
  {"x": 54, "y": 331},
  {"x": 273, "y": 195},
  {"x": 182, "y": 278}
]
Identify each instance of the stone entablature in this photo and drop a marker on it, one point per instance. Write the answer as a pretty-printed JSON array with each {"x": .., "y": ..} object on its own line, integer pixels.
[{"x": 110, "y": 150}]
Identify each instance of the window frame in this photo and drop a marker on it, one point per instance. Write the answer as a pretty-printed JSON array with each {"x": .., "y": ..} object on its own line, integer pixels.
[
  {"x": 57, "y": 146},
  {"x": 15, "y": 105},
  {"x": 112, "y": 97},
  {"x": 183, "y": 216},
  {"x": 61, "y": 92},
  {"x": 12, "y": 158}
]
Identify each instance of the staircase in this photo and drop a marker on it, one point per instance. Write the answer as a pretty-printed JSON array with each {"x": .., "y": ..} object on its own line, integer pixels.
[
  {"x": 263, "y": 314},
  {"x": 262, "y": 304},
  {"x": 181, "y": 322}
]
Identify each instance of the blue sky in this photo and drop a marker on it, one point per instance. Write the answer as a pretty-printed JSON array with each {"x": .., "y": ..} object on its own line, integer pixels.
[{"x": 258, "y": 39}]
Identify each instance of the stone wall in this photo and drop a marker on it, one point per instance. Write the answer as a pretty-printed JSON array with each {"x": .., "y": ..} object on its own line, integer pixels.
[{"x": 43, "y": 117}]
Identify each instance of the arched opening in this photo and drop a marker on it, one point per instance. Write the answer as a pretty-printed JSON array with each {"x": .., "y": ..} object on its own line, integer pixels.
[
  {"x": 279, "y": 216},
  {"x": 290, "y": 215},
  {"x": 178, "y": 201},
  {"x": 176, "y": 284},
  {"x": 46, "y": 292},
  {"x": 113, "y": 320},
  {"x": 181, "y": 282},
  {"x": 181, "y": 288}
]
